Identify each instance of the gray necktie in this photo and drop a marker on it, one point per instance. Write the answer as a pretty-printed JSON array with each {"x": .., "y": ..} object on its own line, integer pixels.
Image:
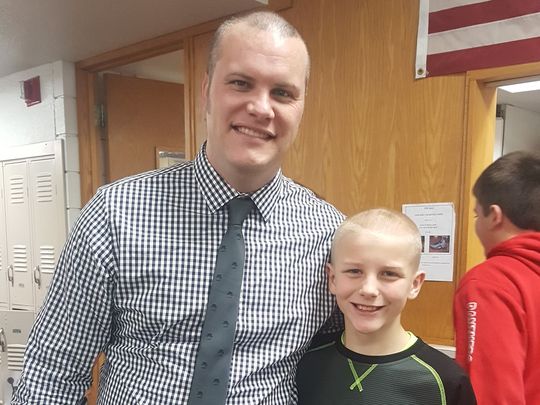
[{"x": 213, "y": 363}]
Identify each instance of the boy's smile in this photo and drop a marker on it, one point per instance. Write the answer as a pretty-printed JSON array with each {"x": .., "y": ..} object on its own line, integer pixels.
[{"x": 366, "y": 308}]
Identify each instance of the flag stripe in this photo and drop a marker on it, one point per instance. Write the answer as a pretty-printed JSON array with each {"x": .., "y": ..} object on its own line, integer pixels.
[
  {"x": 508, "y": 53},
  {"x": 480, "y": 13},
  {"x": 514, "y": 29},
  {"x": 437, "y": 5}
]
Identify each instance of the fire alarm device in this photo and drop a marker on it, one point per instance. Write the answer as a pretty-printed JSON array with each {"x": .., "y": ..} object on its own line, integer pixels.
[{"x": 31, "y": 91}]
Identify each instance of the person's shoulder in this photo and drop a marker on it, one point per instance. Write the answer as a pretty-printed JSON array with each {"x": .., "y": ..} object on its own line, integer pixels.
[
  {"x": 156, "y": 176},
  {"x": 441, "y": 362},
  {"x": 484, "y": 271},
  {"x": 293, "y": 189},
  {"x": 307, "y": 198},
  {"x": 147, "y": 185},
  {"x": 317, "y": 355},
  {"x": 456, "y": 382},
  {"x": 323, "y": 344},
  {"x": 316, "y": 374},
  {"x": 492, "y": 272}
]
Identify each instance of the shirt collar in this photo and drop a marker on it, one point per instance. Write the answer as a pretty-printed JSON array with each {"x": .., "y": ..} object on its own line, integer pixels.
[{"x": 216, "y": 192}]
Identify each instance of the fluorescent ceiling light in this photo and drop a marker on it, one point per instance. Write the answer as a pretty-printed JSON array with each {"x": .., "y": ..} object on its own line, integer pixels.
[
  {"x": 521, "y": 87},
  {"x": 518, "y": 84}
]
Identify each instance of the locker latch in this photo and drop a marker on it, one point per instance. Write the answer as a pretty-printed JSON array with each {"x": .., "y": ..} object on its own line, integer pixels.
[
  {"x": 10, "y": 275},
  {"x": 37, "y": 276},
  {"x": 3, "y": 343}
]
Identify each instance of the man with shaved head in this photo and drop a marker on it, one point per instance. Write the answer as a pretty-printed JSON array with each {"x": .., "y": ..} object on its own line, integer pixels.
[{"x": 138, "y": 273}]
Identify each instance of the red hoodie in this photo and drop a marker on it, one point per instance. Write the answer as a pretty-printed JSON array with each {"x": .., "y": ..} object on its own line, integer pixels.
[{"x": 497, "y": 323}]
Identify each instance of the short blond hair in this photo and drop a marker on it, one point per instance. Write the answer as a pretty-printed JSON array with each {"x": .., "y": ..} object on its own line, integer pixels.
[
  {"x": 266, "y": 21},
  {"x": 381, "y": 221}
]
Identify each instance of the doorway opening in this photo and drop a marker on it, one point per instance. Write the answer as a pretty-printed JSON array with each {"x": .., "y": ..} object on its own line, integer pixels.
[
  {"x": 517, "y": 119},
  {"x": 141, "y": 115}
]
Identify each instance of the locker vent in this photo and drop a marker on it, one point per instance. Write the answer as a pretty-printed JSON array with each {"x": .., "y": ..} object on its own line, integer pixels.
[
  {"x": 20, "y": 258},
  {"x": 44, "y": 187},
  {"x": 15, "y": 357},
  {"x": 46, "y": 258},
  {"x": 16, "y": 190}
]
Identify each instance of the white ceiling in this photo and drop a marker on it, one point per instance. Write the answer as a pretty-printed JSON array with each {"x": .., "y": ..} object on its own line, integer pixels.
[{"x": 35, "y": 32}]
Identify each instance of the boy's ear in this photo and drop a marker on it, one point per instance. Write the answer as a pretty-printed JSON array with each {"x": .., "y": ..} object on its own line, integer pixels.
[
  {"x": 418, "y": 280},
  {"x": 496, "y": 215},
  {"x": 331, "y": 277}
]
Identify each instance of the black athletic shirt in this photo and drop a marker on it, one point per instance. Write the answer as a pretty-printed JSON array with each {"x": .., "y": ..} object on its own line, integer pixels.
[{"x": 419, "y": 375}]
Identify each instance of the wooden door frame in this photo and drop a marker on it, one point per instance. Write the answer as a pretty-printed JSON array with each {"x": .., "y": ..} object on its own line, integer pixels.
[
  {"x": 480, "y": 112},
  {"x": 86, "y": 78}
]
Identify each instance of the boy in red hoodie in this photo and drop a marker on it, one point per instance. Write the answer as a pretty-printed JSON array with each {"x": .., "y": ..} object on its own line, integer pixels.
[{"x": 497, "y": 303}]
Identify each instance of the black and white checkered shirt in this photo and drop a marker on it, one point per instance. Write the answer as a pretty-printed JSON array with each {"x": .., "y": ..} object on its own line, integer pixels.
[{"x": 134, "y": 278}]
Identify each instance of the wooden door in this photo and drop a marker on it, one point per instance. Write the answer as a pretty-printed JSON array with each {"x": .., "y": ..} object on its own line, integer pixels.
[{"x": 141, "y": 115}]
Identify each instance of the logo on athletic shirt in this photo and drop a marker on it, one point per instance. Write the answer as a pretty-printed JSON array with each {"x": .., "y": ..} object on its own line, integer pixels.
[{"x": 471, "y": 328}]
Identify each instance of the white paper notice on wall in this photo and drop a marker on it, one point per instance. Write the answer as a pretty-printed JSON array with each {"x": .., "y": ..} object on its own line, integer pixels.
[
  {"x": 167, "y": 158},
  {"x": 436, "y": 222}
]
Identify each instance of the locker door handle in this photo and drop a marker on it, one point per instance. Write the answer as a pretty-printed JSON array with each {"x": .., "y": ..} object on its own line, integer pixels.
[
  {"x": 10, "y": 275},
  {"x": 3, "y": 343},
  {"x": 37, "y": 276}
]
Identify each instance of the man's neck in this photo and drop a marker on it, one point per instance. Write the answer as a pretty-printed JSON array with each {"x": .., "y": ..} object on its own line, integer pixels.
[{"x": 245, "y": 181}]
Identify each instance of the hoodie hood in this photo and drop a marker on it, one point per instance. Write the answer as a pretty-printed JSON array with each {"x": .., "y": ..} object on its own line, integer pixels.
[{"x": 524, "y": 247}]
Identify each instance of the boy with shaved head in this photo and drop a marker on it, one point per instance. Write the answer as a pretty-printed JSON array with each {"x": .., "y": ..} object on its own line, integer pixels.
[{"x": 373, "y": 272}]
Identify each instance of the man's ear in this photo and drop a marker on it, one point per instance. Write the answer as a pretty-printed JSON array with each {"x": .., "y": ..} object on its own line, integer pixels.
[
  {"x": 331, "y": 277},
  {"x": 418, "y": 280},
  {"x": 204, "y": 92}
]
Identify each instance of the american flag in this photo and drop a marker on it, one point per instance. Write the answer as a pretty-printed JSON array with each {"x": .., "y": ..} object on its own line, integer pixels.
[{"x": 460, "y": 35}]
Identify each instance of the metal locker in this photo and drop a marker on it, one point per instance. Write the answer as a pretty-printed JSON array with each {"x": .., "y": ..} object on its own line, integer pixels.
[
  {"x": 3, "y": 363},
  {"x": 48, "y": 223},
  {"x": 19, "y": 252},
  {"x": 4, "y": 290},
  {"x": 15, "y": 327}
]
